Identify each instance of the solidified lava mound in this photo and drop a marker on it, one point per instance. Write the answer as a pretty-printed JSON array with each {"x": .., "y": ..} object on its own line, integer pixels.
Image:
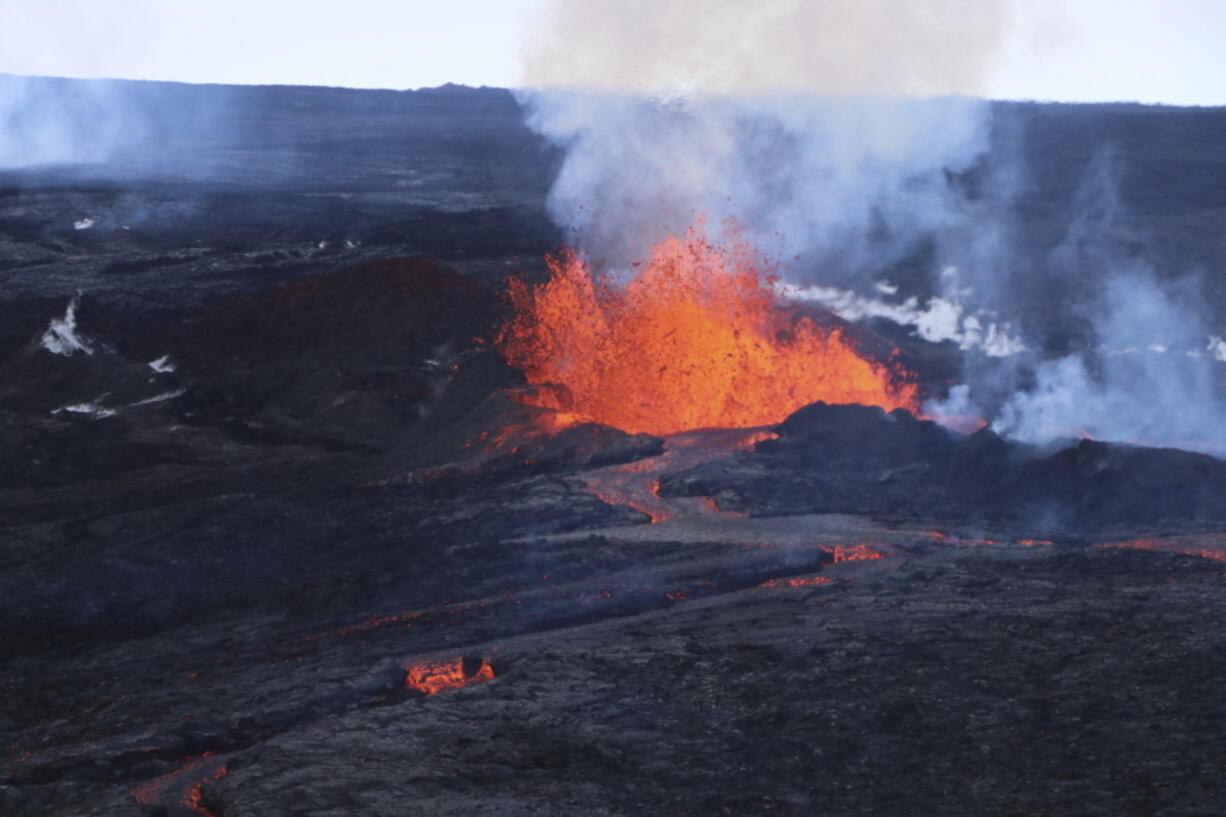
[
  {"x": 389, "y": 311},
  {"x": 861, "y": 460},
  {"x": 353, "y": 355}
]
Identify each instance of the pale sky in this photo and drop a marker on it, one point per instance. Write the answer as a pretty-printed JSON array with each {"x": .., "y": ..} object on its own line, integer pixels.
[{"x": 1145, "y": 50}]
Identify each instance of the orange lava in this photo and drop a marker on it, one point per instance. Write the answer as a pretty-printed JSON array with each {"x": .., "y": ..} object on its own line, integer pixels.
[
  {"x": 184, "y": 785},
  {"x": 962, "y": 423},
  {"x": 853, "y": 553},
  {"x": 695, "y": 340},
  {"x": 804, "y": 581},
  {"x": 432, "y": 677},
  {"x": 637, "y": 484},
  {"x": 630, "y": 493},
  {"x": 1206, "y": 546},
  {"x": 194, "y": 797}
]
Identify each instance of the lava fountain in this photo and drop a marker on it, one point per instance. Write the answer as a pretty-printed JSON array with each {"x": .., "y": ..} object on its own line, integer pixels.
[{"x": 696, "y": 339}]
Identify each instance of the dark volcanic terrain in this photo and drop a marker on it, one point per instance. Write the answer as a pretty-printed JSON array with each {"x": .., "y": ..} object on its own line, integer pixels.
[{"x": 279, "y": 536}]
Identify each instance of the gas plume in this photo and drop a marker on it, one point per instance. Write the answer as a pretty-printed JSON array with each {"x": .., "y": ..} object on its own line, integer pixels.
[
  {"x": 730, "y": 48},
  {"x": 1146, "y": 370},
  {"x": 822, "y": 129},
  {"x": 112, "y": 127},
  {"x": 849, "y": 140}
]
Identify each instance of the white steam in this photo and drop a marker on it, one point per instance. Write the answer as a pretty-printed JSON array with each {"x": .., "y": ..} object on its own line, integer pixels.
[
  {"x": 843, "y": 138},
  {"x": 62, "y": 338},
  {"x": 58, "y": 121},
  {"x": 89, "y": 124},
  {"x": 940, "y": 319},
  {"x": 729, "y": 47},
  {"x": 1149, "y": 370},
  {"x": 1148, "y": 379},
  {"x": 827, "y": 128}
]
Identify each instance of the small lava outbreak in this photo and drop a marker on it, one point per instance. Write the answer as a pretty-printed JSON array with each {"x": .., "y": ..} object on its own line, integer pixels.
[
  {"x": 799, "y": 581},
  {"x": 696, "y": 339},
  {"x": 432, "y": 677},
  {"x": 180, "y": 791},
  {"x": 853, "y": 553},
  {"x": 1207, "y": 546}
]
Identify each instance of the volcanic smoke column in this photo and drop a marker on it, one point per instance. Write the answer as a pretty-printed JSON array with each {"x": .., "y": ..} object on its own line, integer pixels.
[
  {"x": 702, "y": 138},
  {"x": 825, "y": 128}
]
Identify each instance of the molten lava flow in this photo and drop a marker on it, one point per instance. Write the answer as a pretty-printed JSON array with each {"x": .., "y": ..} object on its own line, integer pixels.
[
  {"x": 432, "y": 677},
  {"x": 853, "y": 553},
  {"x": 183, "y": 787},
  {"x": 803, "y": 581},
  {"x": 1206, "y": 545},
  {"x": 637, "y": 484},
  {"x": 695, "y": 340}
]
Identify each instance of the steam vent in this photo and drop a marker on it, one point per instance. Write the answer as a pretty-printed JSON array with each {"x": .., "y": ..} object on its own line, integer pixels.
[{"x": 560, "y": 453}]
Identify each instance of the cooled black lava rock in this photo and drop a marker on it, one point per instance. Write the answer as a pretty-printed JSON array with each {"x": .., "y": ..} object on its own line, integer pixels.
[{"x": 861, "y": 460}]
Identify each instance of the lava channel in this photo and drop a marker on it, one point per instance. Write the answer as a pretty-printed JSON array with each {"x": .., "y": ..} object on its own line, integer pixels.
[{"x": 637, "y": 484}]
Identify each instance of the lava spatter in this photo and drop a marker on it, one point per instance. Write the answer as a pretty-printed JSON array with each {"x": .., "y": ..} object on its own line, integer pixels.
[{"x": 695, "y": 340}]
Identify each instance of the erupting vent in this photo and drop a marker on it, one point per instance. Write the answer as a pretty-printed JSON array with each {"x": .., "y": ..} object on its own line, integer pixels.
[
  {"x": 435, "y": 676},
  {"x": 695, "y": 340}
]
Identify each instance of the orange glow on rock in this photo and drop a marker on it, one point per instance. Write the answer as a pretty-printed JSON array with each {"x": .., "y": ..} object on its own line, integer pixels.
[
  {"x": 695, "y": 340},
  {"x": 853, "y": 553},
  {"x": 1206, "y": 546},
  {"x": 183, "y": 787},
  {"x": 803, "y": 581},
  {"x": 637, "y": 484},
  {"x": 432, "y": 677}
]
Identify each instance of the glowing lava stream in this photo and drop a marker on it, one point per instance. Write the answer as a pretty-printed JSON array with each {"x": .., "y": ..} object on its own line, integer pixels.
[
  {"x": 179, "y": 792},
  {"x": 636, "y": 484},
  {"x": 697, "y": 339},
  {"x": 1205, "y": 545}
]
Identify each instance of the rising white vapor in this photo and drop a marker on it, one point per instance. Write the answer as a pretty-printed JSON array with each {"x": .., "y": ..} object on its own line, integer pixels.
[
  {"x": 818, "y": 127},
  {"x": 833, "y": 135},
  {"x": 730, "y": 47}
]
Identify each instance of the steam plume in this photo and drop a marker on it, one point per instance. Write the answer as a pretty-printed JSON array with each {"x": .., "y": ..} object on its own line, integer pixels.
[
  {"x": 139, "y": 127},
  {"x": 826, "y": 128},
  {"x": 835, "y": 134},
  {"x": 880, "y": 47},
  {"x": 1148, "y": 371}
]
